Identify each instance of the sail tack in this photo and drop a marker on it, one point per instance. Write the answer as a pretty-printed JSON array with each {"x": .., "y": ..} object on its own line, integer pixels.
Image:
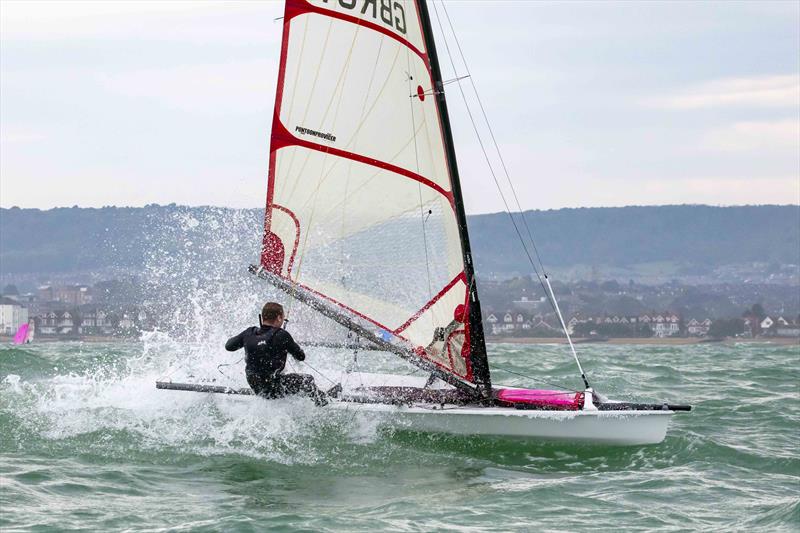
[{"x": 360, "y": 204}]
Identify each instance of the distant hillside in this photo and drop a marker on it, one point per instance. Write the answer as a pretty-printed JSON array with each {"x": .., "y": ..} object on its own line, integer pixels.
[
  {"x": 76, "y": 239},
  {"x": 700, "y": 236}
]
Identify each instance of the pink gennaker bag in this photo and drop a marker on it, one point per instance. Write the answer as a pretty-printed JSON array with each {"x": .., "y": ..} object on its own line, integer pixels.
[{"x": 546, "y": 399}]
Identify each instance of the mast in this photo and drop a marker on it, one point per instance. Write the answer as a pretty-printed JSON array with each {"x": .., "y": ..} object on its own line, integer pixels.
[
  {"x": 357, "y": 182},
  {"x": 478, "y": 356}
]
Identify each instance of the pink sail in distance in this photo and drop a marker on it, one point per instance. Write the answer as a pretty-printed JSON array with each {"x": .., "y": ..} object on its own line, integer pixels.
[
  {"x": 362, "y": 200},
  {"x": 22, "y": 334}
]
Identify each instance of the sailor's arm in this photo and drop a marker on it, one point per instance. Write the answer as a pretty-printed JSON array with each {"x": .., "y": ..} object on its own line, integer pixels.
[
  {"x": 292, "y": 347},
  {"x": 236, "y": 342}
]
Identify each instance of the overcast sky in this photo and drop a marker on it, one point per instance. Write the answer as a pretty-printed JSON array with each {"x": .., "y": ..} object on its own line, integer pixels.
[{"x": 593, "y": 104}]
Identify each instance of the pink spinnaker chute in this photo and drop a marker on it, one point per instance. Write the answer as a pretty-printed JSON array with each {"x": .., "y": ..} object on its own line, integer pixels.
[
  {"x": 542, "y": 398},
  {"x": 22, "y": 334}
]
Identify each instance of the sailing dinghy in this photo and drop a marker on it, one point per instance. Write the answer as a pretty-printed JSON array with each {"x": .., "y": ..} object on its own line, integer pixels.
[
  {"x": 365, "y": 224},
  {"x": 22, "y": 335}
]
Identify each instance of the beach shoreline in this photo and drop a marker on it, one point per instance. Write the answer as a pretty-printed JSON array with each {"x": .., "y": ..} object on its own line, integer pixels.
[
  {"x": 656, "y": 341},
  {"x": 490, "y": 339}
]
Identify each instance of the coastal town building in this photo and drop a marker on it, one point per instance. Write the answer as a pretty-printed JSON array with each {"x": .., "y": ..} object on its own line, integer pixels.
[
  {"x": 791, "y": 330},
  {"x": 92, "y": 320},
  {"x": 698, "y": 328},
  {"x": 657, "y": 325},
  {"x": 527, "y": 304},
  {"x": 111, "y": 308},
  {"x": 66, "y": 294},
  {"x": 666, "y": 325},
  {"x": 12, "y": 315},
  {"x": 491, "y": 320}
]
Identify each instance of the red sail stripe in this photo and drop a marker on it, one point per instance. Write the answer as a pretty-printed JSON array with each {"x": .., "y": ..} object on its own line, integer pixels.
[
  {"x": 301, "y": 7},
  {"x": 296, "y": 236},
  {"x": 276, "y": 113},
  {"x": 460, "y": 277},
  {"x": 281, "y": 138}
]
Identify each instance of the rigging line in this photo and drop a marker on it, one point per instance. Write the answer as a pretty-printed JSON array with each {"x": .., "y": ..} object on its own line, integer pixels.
[
  {"x": 488, "y": 161},
  {"x": 494, "y": 139},
  {"x": 569, "y": 339},
  {"x": 549, "y": 294},
  {"x": 219, "y": 369},
  {"x": 486, "y": 157},
  {"x": 360, "y": 377},
  {"x": 433, "y": 91},
  {"x": 318, "y": 372},
  {"x": 347, "y": 407},
  {"x": 551, "y": 297},
  {"x": 419, "y": 185}
]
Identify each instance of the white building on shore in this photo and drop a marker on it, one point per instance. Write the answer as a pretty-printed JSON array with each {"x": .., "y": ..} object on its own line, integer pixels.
[{"x": 12, "y": 315}]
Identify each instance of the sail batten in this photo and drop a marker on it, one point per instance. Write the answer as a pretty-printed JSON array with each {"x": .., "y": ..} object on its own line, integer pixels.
[{"x": 363, "y": 205}]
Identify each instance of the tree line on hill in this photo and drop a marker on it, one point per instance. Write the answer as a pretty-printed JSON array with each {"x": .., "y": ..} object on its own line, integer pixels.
[{"x": 702, "y": 237}]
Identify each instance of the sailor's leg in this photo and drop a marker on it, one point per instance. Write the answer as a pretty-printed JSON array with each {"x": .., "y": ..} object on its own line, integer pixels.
[
  {"x": 302, "y": 384},
  {"x": 255, "y": 382},
  {"x": 261, "y": 386}
]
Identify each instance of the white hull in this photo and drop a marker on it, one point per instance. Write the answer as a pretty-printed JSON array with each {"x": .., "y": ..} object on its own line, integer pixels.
[
  {"x": 614, "y": 427},
  {"x": 601, "y": 427}
]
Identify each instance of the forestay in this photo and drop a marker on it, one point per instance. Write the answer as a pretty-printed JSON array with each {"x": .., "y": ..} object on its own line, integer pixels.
[{"x": 363, "y": 206}]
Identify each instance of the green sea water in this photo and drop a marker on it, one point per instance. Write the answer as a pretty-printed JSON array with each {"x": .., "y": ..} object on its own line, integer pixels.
[{"x": 87, "y": 443}]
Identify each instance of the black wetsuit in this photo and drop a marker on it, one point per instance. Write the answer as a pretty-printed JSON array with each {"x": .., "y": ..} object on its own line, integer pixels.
[{"x": 265, "y": 350}]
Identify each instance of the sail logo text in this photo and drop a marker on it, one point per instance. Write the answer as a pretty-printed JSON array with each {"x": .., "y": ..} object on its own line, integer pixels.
[
  {"x": 390, "y": 13},
  {"x": 305, "y": 131}
]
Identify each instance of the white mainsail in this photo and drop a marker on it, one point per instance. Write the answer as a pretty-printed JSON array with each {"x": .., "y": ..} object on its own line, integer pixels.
[{"x": 363, "y": 208}]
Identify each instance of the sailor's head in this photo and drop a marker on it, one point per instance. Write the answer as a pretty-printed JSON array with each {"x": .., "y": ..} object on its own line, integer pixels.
[{"x": 272, "y": 314}]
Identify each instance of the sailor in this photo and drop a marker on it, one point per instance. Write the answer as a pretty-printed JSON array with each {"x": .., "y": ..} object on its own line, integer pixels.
[{"x": 265, "y": 349}]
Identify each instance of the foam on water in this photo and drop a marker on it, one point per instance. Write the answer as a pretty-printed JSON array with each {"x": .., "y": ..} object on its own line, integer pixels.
[{"x": 106, "y": 400}]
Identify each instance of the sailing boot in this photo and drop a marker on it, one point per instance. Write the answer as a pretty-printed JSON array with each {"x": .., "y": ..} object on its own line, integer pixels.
[{"x": 335, "y": 391}]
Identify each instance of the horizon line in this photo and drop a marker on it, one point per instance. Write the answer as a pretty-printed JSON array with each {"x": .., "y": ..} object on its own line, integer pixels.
[{"x": 209, "y": 206}]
